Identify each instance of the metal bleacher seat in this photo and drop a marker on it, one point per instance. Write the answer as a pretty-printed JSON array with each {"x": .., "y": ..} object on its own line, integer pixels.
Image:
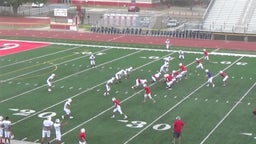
[{"x": 224, "y": 15}]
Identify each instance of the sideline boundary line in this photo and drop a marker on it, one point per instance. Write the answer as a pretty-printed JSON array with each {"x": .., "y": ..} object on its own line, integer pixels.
[{"x": 132, "y": 48}]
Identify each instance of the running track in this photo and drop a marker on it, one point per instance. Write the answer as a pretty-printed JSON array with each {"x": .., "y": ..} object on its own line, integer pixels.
[{"x": 118, "y": 38}]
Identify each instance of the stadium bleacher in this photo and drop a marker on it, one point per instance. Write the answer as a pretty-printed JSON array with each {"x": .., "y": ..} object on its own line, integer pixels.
[{"x": 227, "y": 15}]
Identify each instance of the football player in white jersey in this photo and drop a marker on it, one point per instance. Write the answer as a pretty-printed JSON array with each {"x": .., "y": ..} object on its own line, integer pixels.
[
  {"x": 181, "y": 55},
  {"x": 92, "y": 60},
  {"x": 155, "y": 77},
  {"x": 164, "y": 68},
  {"x": 167, "y": 43},
  {"x": 119, "y": 75},
  {"x": 57, "y": 126},
  {"x": 128, "y": 71},
  {"x": 67, "y": 109},
  {"x": 108, "y": 86},
  {"x": 46, "y": 130},
  {"x": 167, "y": 60},
  {"x": 139, "y": 82},
  {"x": 49, "y": 81},
  {"x": 7, "y": 130},
  {"x": 1, "y": 129}
]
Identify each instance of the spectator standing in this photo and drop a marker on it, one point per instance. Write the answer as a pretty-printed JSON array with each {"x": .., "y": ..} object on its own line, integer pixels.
[{"x": 178, "y": 125}]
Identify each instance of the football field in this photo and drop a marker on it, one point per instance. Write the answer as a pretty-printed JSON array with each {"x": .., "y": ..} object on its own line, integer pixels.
[{"x": 212, "y": 115}]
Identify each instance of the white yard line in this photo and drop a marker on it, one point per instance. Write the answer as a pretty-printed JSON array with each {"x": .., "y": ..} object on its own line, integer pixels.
[
  {"x": 177, "y": 104},
  {"x": 220, "y": 122},
  {"x": 146, "y": 49}
]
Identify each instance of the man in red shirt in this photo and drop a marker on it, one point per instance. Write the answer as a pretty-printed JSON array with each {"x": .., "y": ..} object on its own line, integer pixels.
[
  {"x": 147, "y": 93},
  {"x": 177, "y": 129},
  {"x": 82, "y": 136}
]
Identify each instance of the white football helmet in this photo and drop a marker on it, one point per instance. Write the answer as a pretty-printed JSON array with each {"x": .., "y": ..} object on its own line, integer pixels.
[
  {"x": 82, "y": 130},
  {"x": 69, "y": 100},
  {"x": 57, "y": 120},
  {"x": 1, "y": 118},
  {"x": 221, "y": 71},
  {"x": 180, "y": 64},
  {"x": 49, "y": 118},
  {"x": 206, "y": 70},
  {"x": 113, "y": 99}
]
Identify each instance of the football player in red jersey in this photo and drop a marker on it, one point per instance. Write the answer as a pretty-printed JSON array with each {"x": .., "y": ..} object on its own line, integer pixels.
[
  {"x": 225, "y": 77},
  {"x": 183, "y": 70},
  {"x": 199, "y": 64},
  {"x": 147, "y": 93},
  {"x": 206, "y": 54},
  {"x": 82, "y": 136},
  {"x": 117, "y": 107},
  {"x": 176, "y": 75}
]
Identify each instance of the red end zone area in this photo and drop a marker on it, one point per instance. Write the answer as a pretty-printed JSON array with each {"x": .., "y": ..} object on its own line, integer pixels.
[{"x": 8, "y": 47}]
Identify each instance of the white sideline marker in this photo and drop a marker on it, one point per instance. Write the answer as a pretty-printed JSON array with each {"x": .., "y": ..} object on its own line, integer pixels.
[
  {"x": 248, "y": 134},
  {"x": 124, "y": 121}
]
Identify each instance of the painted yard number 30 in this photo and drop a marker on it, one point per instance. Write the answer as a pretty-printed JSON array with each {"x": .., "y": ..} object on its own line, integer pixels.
[{"x": 141, "y": 124}]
